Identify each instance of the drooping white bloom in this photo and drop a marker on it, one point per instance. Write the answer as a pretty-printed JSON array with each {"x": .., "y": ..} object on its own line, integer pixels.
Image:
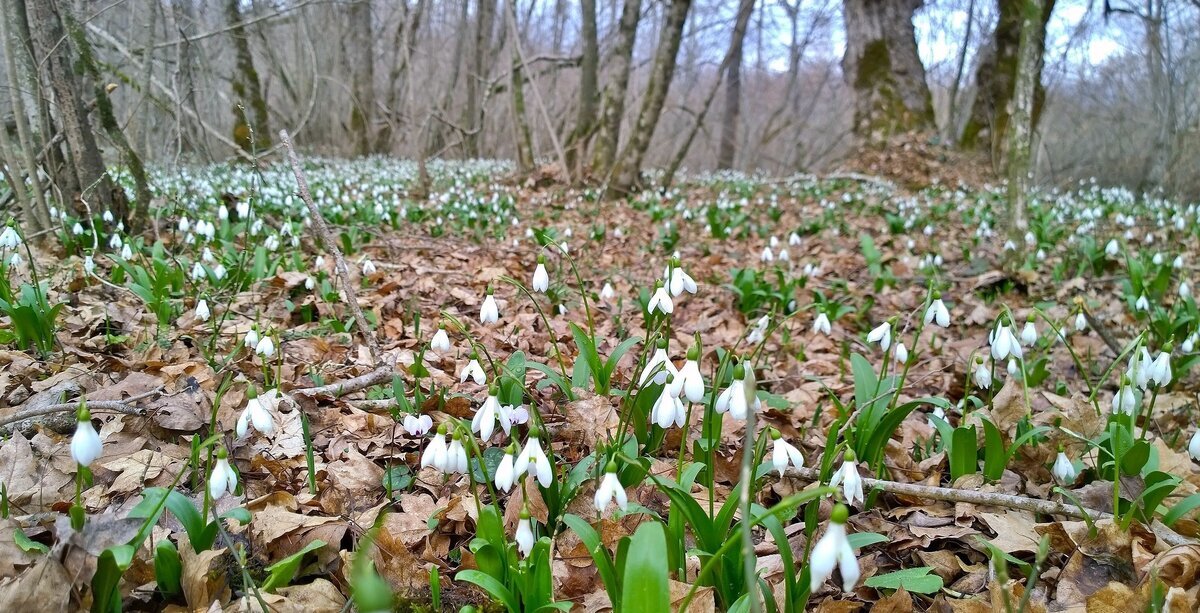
[
  {"x": 1185, "y": 290},
  {"x": 510, "y": 416},
  {"x": 417, "y": 426},
  {"x": 484, "y": 421},
  {"x": 251, "y": 340},
  {"x": 489, "y": 313},
  {"x": 1140, "y": 364},
  {"x": 1178, "y": 262},
  {"x": 1112, "y": 248},
  {"x": 222, "y": 480},
  {"x": 821, "y": 324},
  {"x": 676, "y": 280},
  {"x": 1125, "y": 401},
  {"x": 85, "y": 444},
  {"x": 506, "y": 475},
  {"x": 1029, "y": 333},
  {"x": 1142, "y": 304},
  {"x": 658, "y": 358},
  {"x": 533, "y": 460},
  {"x": 851, "y": 482},
  {"x": 882, "y": 334},
  {"x": 77, "y": 229},
  {"x": 784, "y": 453},
  {"x": 89, "y": 265},
  {"x": 474, "y": 371},
  {"x": 1160, "y": 369},
  {"x": 184, "y": 224},
  {"x": 833, "y": 550},
  {"x": 114, "y": 242},
  {"x": 759, "y": 332},
  {"x": 11, "y": 239},
  {"x": 126, "y": 252},
  {"x": 435, "y": 452},
  {"x": 610, "y": 489},
  {"x": 766, "y": 255},
  {"x": 525, "y": 534},
  {"x": 541, "y": 279},
  {"x": 1005, "y": 343},
  {"x": 793, "y": 239},
  {"x": 259, "y": 412},
  {"x": 900, "y": 353},
  {"x": 15, "y": 260},
  {"x": 265, "y": 346},
  {"x": 937, "y": 312},
  {"x": 1194, "y": 446},
  {"x": 441, "y": 342},
  {"x": 202, "y": 311},
  {"x": 1063, "y": 471},
  {"x": 607, "y": 292},
  {"x": 1080, "y": 322},
  {"x": 689, "y": 381},
  {"x": 107, "y": 216},
  {"x": 660, "y": 301},
  {"x": 668, "y": 410},
  {"x": 368, "y": 267},
  {"x": 456, "y": 456}
]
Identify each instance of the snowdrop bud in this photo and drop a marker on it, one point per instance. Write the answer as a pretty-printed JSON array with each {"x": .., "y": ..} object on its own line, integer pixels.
[
  {"x": 525, "y": 536},
  {"x": 489, "y": 313},
  {"x": 983, "y": 376},
  {"x": 1029, "y": 333},
  {"x": 506, "y": 475},
  {"x": 541, "y": 279},
  {"x": 1080, "y": 322},
  {"x": 1063, "y": 471},
  {"x": 607, "y": 292},
  {"x": 441, "y": 341},
  {"x": 901, "y": 354},
  {"x": 202, "y": 312},
  {"x": 85, "y": 444},
  {"x": 222, "y": 480}
]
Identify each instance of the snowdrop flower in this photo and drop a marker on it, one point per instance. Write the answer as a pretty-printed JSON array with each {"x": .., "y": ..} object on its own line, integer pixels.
[
  {"x": 1004, "y": 343},
  {"x": 435, "y": 452},
  {"x": 222, "y": 480},
  {"x": 243, "y": 209},
  {"x": 1063, "y": 470},
  {"x": 1160, "y": 370},
  {"x": 784, "y": 256},
  {"x": 525, "y": 533},
  {"x": 668, "y": 410},
  {"x": 1142, "y": 304},
  {"x": 218, "y": 271},
  {"x": 821, "y": 324},
  {"x": 937, "y": 412},
  {"x": 202, "y": 312},
  {"x": 15, "y": 261},
  {"x": 1157, "y": 259},
  {"x": 10, "y": 239},
  {"x": 767, "y": 256},
  {"x": 259, "y": 412},
  {"x": 1139, "y": 367},
  {"x": 660, "y": 301},
  {"x": 1124, "y": 401},
  {"x": 107, "y": 216},
  {"x": 506, "y": 475},
  {"x": 77, "y": 229},
  {"x": 689, "y": 382},
  {"x": 849, "y": 479},
  {"x": 533, "y": 460},
  {"x": 773, "y": 241},
  {"x": 983, "y": 376},
  {"x": 319, "y": 262},
  {"x": 541, "y": 279},
  {"x": 759, "y": 332},
  {"x": 882, "y": 334},
  {"x": 676, "y": 280},
  {"x": 833, "y": 550},
  {"x": 368, "y": 267},
  {"x": 607, "y": 292},
  {"x": 417, "y": 426},
  {"x": 126, "y": 252},
  {"x": 1009, "y": 245},
  {"x": 441, "y": 342},
  {"x": 251, "y": 340},
  {"x": 89, "y": 265},
  {"x": 900, "y": 354},
  {"x": 937, "y": 312},
  {"x": 85, "y": 444},
  {"x": 1178, "y": 262},
  {"x": 309, "y": 283},
  {"x": 489, "y": 313},
  {"x": 1012, "y": 367},
  {"x": 1194, "y": 446},
  {"x": 456, "y": 456},
  {"x": 793, "y": 239},
  {"x": 510, "y": 416},
  {"x": 784, "y": 453},
  {"x": 1112, "y": 249},
  {"x": 265, "y": 347},
  {"x": 658, "y": 358},
  {"x": 1029, "y": 333},
  {"x": 739, "y": 397},
  {"x": 1188, "y": 344},
  {"x": 222, "y": 212},
  {"x": 610, "y": 489},
  {"x": 484, "y": 421},
  {"x": 184, "y": 224},
  {"x": 1185, "y": 290},
  {"x": 473, "y": 370},
  {"x": 1080, "y": 322},
  {"x": 114, "y": 242}
]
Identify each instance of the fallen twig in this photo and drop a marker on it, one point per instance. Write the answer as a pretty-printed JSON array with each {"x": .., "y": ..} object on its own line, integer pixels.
[
  {"x": 996, "y": 499},
  {"x": 20, "y": 421},
  {"x": 326, "y": 236},
  {"x": 375, "y": 377},
  {"x": 1105, "y": 335}
]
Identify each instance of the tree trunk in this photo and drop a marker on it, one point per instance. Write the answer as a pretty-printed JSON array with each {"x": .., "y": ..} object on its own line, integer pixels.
[
  {"x": 484, "y": 24},
  {"x": 252, "y": 132},
  {"x": 88, "y": 167},
  {"x": 628, "y": 171},
  {"x": 37, "y": 214},
  {"x": 950, "y": 129},
  {"x": 733, "y": 87},
  {"x": 522, "y": 135},
  {"x": 1020, "y": 125},
  {"x": 585, "y": 120},
  {"x": 613, "y": 104},
  {"x": 995, "y": 78},
  {"x": 361, "y": 53},
  {"x": 1156, "y": 174},
  {"x": 881, "y": 64},
  {"x": 404, "y": 42}
]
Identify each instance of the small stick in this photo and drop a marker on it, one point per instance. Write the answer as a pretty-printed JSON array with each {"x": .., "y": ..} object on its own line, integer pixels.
[
  {"x": 1011, "y": 501},
  {"x": 116, "y": 406},
  {"x": 379, "y": 375},
  {"x": 327, "y": 237},
  {"x": 1105, "y": 335}
]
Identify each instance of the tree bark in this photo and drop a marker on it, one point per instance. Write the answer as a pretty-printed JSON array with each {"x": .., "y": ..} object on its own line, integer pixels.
[
  {"x": 37, "y": 213},
  {"x": 733, "y": 87},
  {"x": 995, "y": 78},
  {"x": 361, "y": 49},
  {"x": 613, "y": 103},
  {"x": 589, "y": 65},
  {"x": 522, "y": 135},
  {"x": 86, "y": 163},
  {"x": 882, "y": 66},
  {"x": 484, "y": 24},
  {"x": 1020, "y": 125},
  {"x": 251, "y": 128},
  {"x": 628, "y": 171}
]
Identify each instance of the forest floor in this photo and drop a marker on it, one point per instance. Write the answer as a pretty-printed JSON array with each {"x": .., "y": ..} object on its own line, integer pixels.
[{"x": 338, "y": 468}]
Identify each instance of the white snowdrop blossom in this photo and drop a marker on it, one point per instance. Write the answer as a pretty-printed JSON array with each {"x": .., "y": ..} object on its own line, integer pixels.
[
  {"x": 202, "y": 311},
  {"x": 1124, "y": 400},
  {"x": 689, "y": 381},
  {"x": 1004, "y": 343},
  {"x": 126, "y": 252},
  {"x": 435, "y": 452},
  {"x": 607, "y": 292},
  {"x": 784, "y": 453},
  {"x": 821, "y": 325},
  {"x": 882, "y": 334},
  {"x": 484, "y": 420},
  {"x": 11, "y": 239},
  {"x": 222, "y": 480},
  {"x": 759, "y": 332},
  {"x": 1080, "y": 322},
  {"x": 368, "y": 267},
  {"x": 259, "y": 412},
  {"x": 847, "y": 476},
  {"x": 441, "y": 342},
  {"x": 833, "y": 551},
  {"x": 937, "y": 312},
  {"x": 533, "y": 460},
  {"x": 609, "y": 490},
  {"x": 1029, "y": 333},
  {"x": 541, "y": 279},
  {"x": 489, "y": 313},
  {"x": 89, "y": 264},
  {"x": 473, "y": 371},
  {"x": 265, "y": 347},
  {"x": 1112, "y": 249},
  {"x": 1063, "y": 471},
  {"x": 660, "y": 301},
  {"x": 456, "y": 456},
  {"x": 251, "y": 340},
  {"x": 676, "y": 280},
  {"x": 417, "y": 426},
  {"x": 525, "y": 536},
  {"x": 668, "y": 410},
  {"x": 1160, "y": 369},
  {"x": 77, "y": 229},
  {"x": 1194, "y": 446},
  {"x": 1142, "y": 304},
  {"x": 738, "y": 399},
  {"x": 652, "y": 365},
  {"x": 900, "y": 354},
  {"x": 766, "y": 255},
  {"x": 85, "y": 443},
  {"x": 506, "y": 474}
]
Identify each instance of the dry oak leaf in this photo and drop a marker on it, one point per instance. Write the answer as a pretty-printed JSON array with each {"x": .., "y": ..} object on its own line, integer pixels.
[
  {"x": 898, "y": 602},
  {"x": 320, "y": 596},
  {"x": 42, "y": 587},
  {"x": 204, "y": 579}
]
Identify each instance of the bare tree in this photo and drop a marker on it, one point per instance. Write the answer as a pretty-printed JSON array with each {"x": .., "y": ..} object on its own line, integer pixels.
[
  {"x": 733, "y": 86},
  {"x": 361, "y": 55},
  {"x": 484, "y": 25},
  {"x": 613, "y": 102},
  {"x": 589, "y": 66},
  {"x": 882, "y": 65},
  {"x": 1020, "y": 125},
  {"x": 248, "y": 132}
]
